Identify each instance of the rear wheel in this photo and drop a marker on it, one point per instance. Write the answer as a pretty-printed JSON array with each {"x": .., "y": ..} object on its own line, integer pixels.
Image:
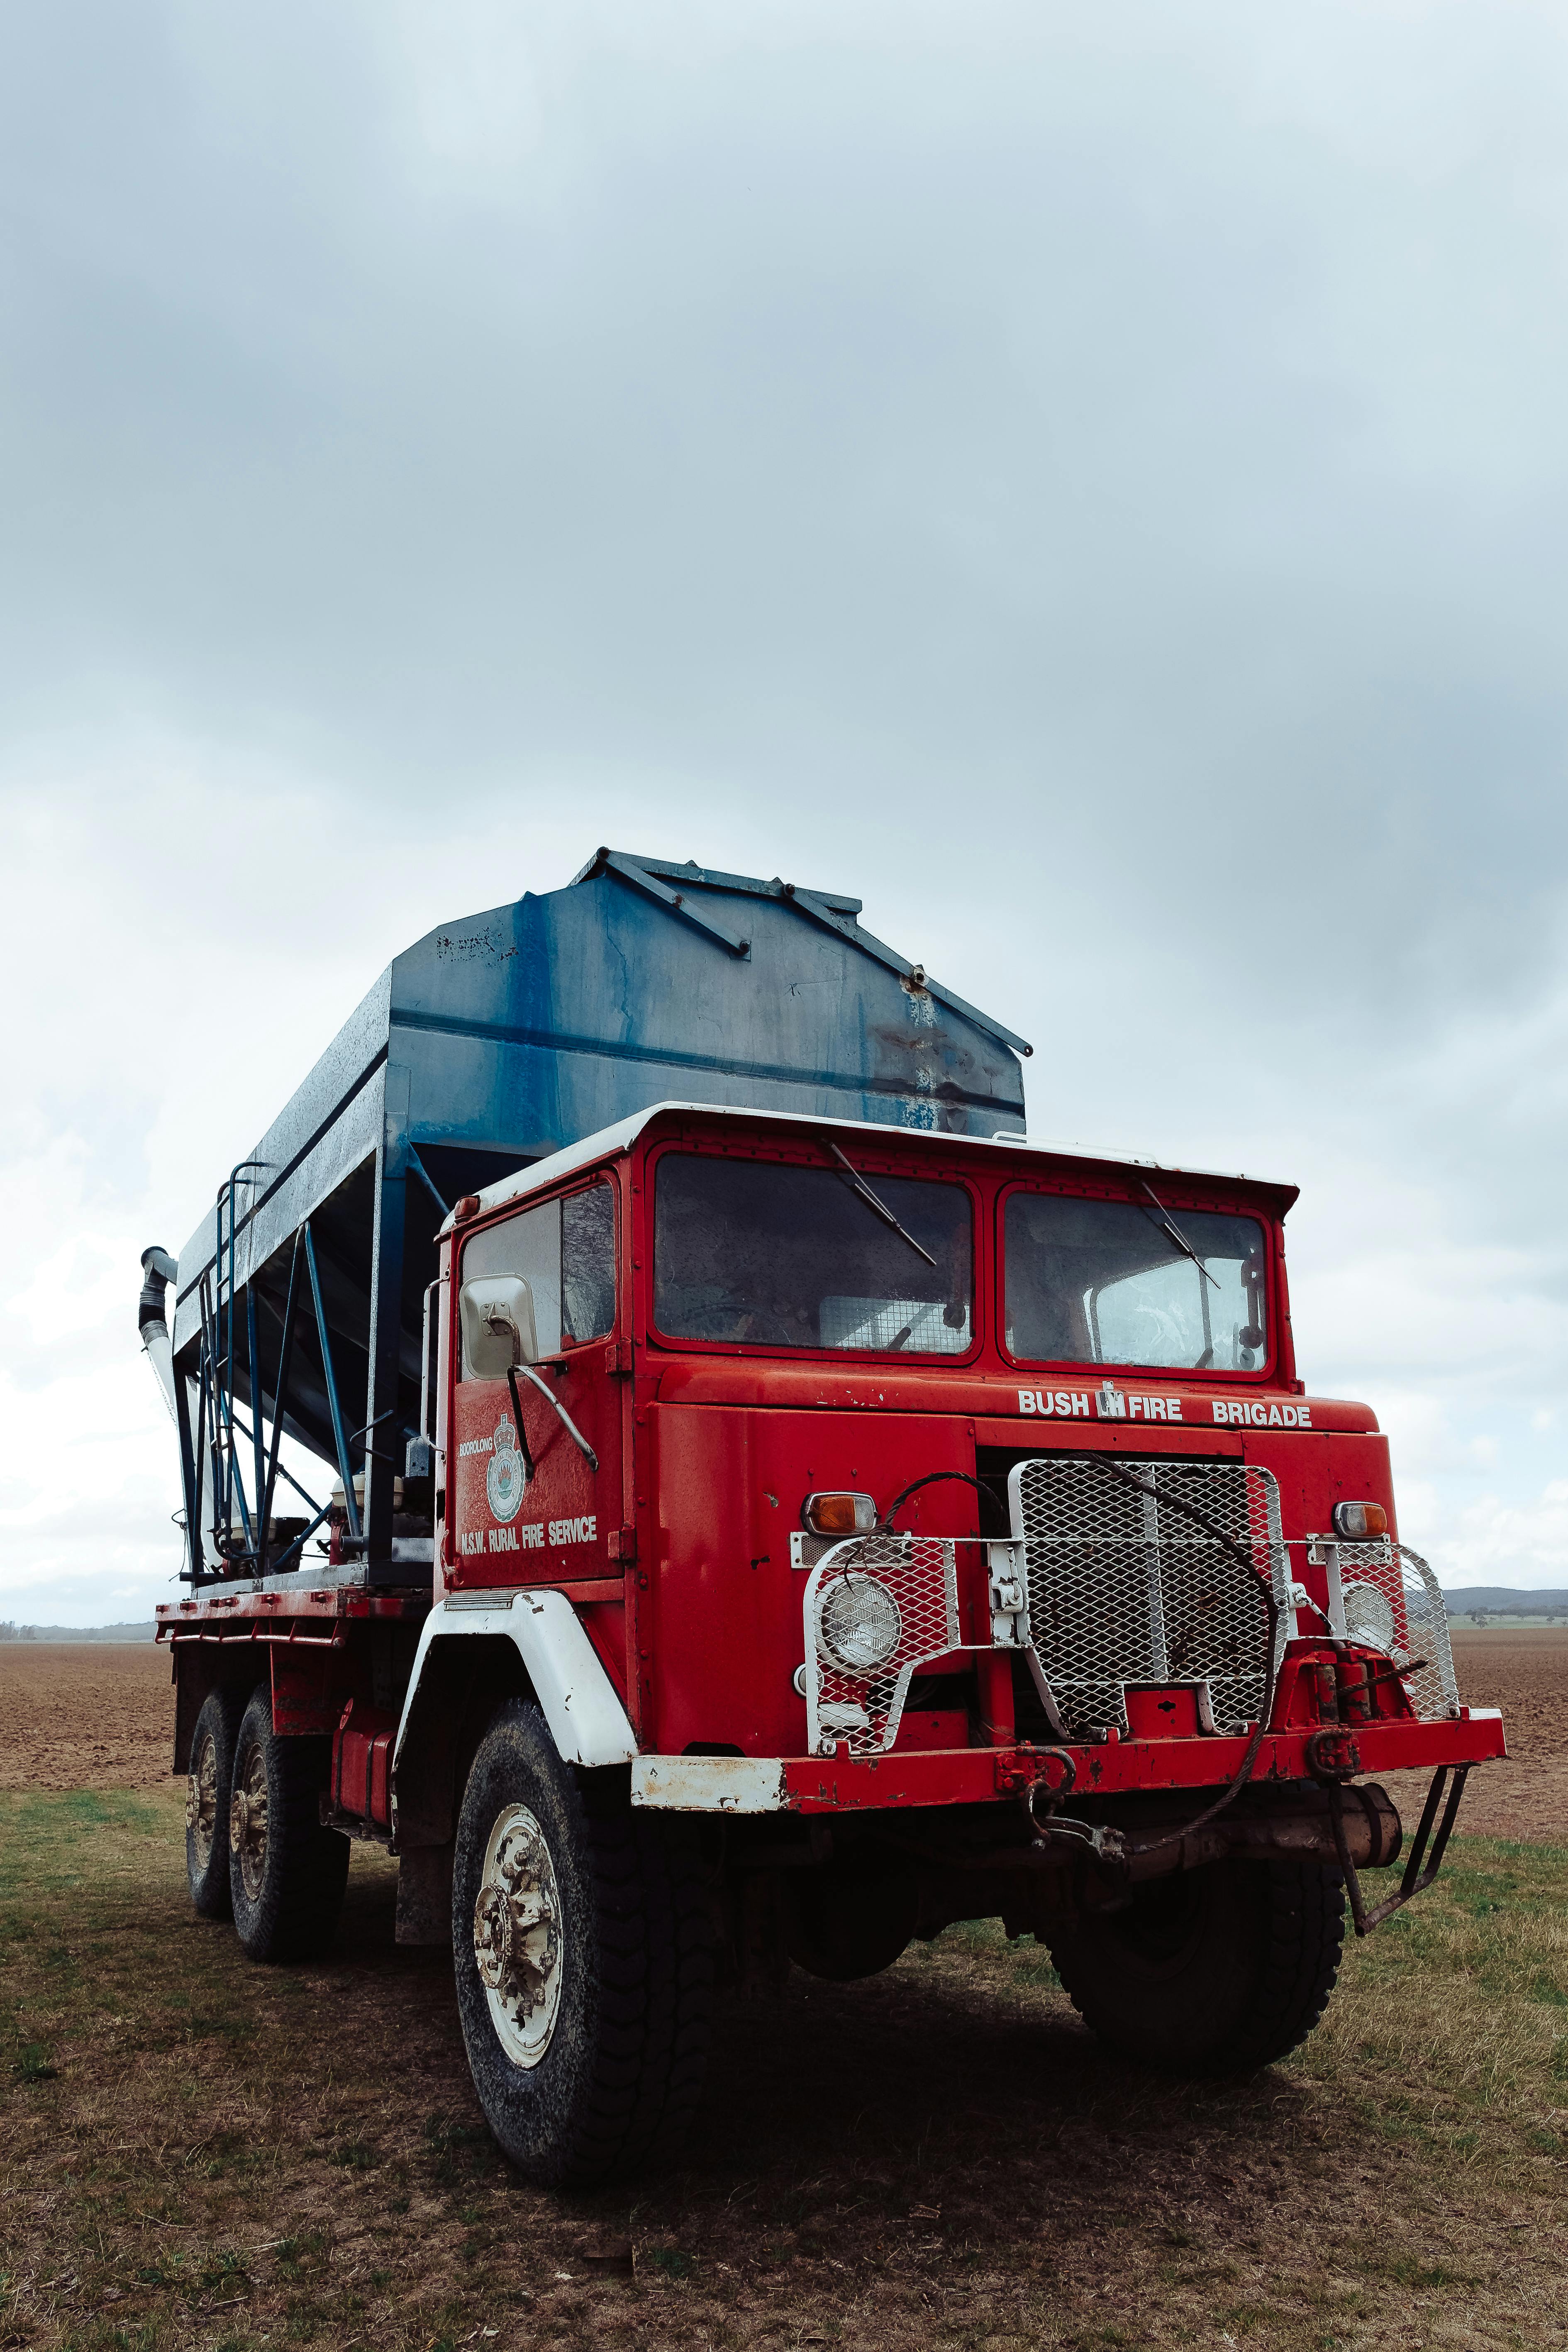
[
  {"x": 1212, "y": 1972},
  {"x": 582, "y": 1944},
  {"x": 285, "y": 1873},
  {"x": 207, "y": 1801}
]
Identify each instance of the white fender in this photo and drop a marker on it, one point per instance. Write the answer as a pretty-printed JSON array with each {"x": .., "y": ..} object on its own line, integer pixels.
[{"x": 580, "y": 1704}]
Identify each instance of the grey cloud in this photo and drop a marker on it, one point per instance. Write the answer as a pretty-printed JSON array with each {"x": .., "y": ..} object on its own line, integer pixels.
[
  {"x": 834, "y": 414},
  {"x": 1091, "y": 481}
]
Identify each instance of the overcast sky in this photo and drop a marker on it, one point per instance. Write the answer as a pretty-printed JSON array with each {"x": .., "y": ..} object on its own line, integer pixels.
[{"x": 1087, "y": 480}]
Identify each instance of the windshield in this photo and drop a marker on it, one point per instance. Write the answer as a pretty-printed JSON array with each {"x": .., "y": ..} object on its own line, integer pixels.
[
  {"x": 1101, "y": 1281},
  {"x": 794, "y": 1257}
]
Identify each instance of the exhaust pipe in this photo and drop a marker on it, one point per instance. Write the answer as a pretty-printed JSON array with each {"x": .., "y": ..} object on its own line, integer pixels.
[{"x": 158, "y": 1270}]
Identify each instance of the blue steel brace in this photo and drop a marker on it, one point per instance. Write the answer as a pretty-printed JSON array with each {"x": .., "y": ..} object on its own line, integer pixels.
[
  {"x": 280, "y": 1393},
  {"x": 339, "y": 1436},
  {"x": 424, "y": 1175},
  {"x": 258, "y": 1450}
]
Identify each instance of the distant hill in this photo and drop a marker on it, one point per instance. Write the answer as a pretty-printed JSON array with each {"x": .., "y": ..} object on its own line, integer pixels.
[
  {"x": 9, "y": 1632},
  {"x": 1503, "y": 1601}
]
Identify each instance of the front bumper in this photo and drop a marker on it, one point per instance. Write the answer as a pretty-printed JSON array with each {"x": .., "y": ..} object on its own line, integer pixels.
[{"x": 970, "y": 1776}]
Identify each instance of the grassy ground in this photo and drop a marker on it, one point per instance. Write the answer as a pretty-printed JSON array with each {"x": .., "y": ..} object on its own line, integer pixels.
[{"x": 197, "y": 2152}]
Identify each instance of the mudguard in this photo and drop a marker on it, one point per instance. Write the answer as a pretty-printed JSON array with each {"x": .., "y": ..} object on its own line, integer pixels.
[{"x": 576, "y": 1697}]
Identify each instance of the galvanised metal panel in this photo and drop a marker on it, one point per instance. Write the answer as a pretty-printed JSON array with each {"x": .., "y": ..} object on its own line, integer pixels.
[{"x": 533, "y": 1024}]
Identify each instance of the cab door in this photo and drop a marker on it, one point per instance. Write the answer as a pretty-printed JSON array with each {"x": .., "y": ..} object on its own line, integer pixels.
[{"x": 530, "y": 1507}]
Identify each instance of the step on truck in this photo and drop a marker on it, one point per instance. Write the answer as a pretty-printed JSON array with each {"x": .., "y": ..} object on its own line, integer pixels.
[{"x": 765, "y": 1511}]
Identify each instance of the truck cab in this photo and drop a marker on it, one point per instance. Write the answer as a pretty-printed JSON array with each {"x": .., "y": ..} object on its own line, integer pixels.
[{"x": 756, "y": 1349}]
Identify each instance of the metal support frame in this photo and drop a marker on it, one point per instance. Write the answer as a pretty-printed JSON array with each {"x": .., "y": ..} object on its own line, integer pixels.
[
  {"x": 210, "y": 1464},
  {"x": 385, "y": 1307},
  {"x": 224, "y": 1425},
  {"x": 1416, "y": 1880},
  {"x": 285, "y": 1359},
  {"x": 190, "y": 1491},
  {"x": 419, "y": 1170},
  {"x": 340, "y": 1435}
]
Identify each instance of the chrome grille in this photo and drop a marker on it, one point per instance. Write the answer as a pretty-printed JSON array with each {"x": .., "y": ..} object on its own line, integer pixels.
[
  {"x": 1419, "y": 1647},
  {"x": 1125, "y": 1589},
  {"x": 864, "y": 1709}
]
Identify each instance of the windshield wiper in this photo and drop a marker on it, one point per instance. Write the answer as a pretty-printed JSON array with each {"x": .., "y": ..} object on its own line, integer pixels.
[
  {"x": 1164, "y": 1221},
  {"x": 858, "y": 1185}
]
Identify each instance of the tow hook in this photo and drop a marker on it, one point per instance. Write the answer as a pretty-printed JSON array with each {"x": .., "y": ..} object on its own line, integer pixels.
[{"x": 1104, "y": 1845}]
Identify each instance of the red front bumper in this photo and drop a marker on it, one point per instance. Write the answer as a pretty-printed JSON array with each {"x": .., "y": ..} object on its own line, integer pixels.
[{"x": 969, "y": 1776}]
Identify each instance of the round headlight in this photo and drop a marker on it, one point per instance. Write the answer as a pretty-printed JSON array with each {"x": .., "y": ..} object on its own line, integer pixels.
[
  {"x": 1369, "y": 1616},
  {"x": 860, "y": 1624}
]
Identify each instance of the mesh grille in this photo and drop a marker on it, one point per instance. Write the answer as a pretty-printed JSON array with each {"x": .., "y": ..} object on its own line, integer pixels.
[
  {"x": 1124, "y": 1588},
  {"x": 1420, "y": 1620},
  {"x": 921, "y": 1573}
]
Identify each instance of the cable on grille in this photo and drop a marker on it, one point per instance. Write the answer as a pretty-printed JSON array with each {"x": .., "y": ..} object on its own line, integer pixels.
[
  {"x": 885, "y": 1523},
  {"x": 1202, "y": 1520}
]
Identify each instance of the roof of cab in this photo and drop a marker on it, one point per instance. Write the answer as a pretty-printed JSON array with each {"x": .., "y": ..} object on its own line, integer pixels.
[{"x": 539, "y": 1174}]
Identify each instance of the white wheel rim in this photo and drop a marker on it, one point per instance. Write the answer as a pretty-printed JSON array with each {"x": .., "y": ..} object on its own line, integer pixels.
[{"x": 517, "y": 1936}]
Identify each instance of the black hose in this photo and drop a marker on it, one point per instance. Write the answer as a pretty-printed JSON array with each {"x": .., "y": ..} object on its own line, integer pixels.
[{"x": 885, "y": 1523}]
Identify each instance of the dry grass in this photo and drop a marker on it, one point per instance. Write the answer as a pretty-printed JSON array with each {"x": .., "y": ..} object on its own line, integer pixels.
[{"x": 197, "y": 2152}]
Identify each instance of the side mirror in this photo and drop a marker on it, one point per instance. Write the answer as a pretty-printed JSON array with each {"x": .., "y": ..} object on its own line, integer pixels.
[{"x": 497, "y": 1313}]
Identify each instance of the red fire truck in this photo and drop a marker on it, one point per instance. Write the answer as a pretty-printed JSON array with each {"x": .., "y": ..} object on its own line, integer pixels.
[
  {"x": 818, "y": 1566},
  {"x": 836, "y": 1531}
]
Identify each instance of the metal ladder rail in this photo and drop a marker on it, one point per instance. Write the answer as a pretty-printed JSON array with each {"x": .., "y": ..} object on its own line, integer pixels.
[{"x": 228, "y": 1479}]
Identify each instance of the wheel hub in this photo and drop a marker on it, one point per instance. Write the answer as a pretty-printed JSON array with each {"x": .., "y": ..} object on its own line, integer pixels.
[
  {"x": 247, "y": 1823},
  {"x": 517, "y": 1936},
  {"x": 201, "y": 1800}
]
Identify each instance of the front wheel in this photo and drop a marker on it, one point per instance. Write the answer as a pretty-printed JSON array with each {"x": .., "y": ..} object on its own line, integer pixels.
[
  {"x": 285, "y": 1873},
  {"x": 583, "y": 1964},
  {"x": 1212, "y": 1972}
]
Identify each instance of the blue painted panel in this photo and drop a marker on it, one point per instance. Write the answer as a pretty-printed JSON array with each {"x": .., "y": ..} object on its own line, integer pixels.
[
  {"x": 531, "y": 1025},
  {"x": 589, "y": 1003}
]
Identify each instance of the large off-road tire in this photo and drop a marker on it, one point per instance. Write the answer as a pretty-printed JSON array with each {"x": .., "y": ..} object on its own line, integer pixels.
[
  {"x": 582, "y": 1944},
  {"x": 207, "y": 1801},
  {"x": 285, "y": 1873},
  {"x": 1212, "y": 1972}
]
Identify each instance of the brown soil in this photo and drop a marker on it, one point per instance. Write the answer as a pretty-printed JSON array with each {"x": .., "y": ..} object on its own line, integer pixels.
[
  {"x": 1524, "y": 1672},
  {"x": 85, "y": 1715},
  {"x": 198, "y": 2153},
  {"x": 100, "y": 1715}
]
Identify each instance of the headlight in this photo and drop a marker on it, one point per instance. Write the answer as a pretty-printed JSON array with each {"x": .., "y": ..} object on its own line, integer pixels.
[
  {"x": 1369, "y": 1616},
  {"x": 860, "y": 1624},
  {"x": 1360, "y": 1522}
]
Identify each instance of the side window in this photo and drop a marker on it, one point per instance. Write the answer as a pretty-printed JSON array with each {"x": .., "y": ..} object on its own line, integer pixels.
[
  {"x": 565, "y": 1252},
  {"x": 588, "y": 1262}
]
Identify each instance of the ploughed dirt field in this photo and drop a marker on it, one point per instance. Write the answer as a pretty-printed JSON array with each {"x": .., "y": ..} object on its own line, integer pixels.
[
  {"x": 1525, "y": 1673},
  {"x": 85, "y": 1715},
  {"x": 195, "y": 2152}
]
